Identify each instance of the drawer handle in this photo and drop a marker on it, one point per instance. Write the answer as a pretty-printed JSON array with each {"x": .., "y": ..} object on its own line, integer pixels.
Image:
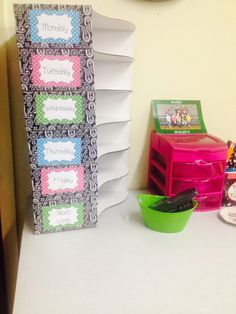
[
  {"x": 197, "y": 180},
  {"x": 201, "y": 198},
  {"x": 201, "y": 162}
]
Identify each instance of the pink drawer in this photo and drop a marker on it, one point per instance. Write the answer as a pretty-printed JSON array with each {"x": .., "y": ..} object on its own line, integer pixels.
[
  {"x": 198, "y": 169},
  {"x": 201, "y": 185},
  {"x": 209, "y": 202}
]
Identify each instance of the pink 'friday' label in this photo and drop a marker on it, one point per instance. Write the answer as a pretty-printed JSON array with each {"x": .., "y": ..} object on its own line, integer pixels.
[
  {"x": 62, "y": 180},
  {"x": 56, "y": 71}
]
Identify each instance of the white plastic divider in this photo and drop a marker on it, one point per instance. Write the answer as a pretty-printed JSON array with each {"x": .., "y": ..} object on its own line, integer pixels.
[
  {"x": 100, "y": 56},
  {"x": 112, "y": 137},
  {"x": 113, "y": 36},
  {"x": 112, "y": 193},
  {"x": 108, "y": 148},
  {"x": 112, "y": 106},
  {"x": 113, "y": 41},
  {"x": 113, "y": 133},
  {"x": 113, "y": 75},
  {"x": 112, "y": 166}
]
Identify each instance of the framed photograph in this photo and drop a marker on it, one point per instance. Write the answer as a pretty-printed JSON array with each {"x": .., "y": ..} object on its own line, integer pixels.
[{"x": 178, "y": 116}]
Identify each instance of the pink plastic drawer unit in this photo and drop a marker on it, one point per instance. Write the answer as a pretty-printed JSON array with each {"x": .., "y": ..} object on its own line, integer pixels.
[{"x": 178, "y": 162}]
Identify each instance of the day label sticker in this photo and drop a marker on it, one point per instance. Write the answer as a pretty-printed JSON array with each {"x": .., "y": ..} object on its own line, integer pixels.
[
  {"x": 59, "y": 151},
  {"x": 62, "y": 180},
  {"x": 65, "y": 216},
  {"x": 58, "y": 109},
  {"x": 52, "y": 26},
  {"x": 56, "y": 71}
]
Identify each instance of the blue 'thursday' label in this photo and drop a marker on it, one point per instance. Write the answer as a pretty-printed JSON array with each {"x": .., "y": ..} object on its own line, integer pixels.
[{"x": 58, "y": 151}]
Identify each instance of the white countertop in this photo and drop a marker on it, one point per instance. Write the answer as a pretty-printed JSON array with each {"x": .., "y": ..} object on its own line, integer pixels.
[{"x": 121, "y": 267}]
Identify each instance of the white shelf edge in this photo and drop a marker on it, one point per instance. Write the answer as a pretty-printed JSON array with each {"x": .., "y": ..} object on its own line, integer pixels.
[
  {"x": 110, "y": 121},
  {"x": 113, "y": 90},
  {"x": 108, "y": 23},
  {"x": 125, "y": 91},
  {"x": 109, "y": 57},
  {"x": 121, "y": 173},
  {"x": 113, "y": 148},
  {"x": 111, "y": 198},
  {"x": 116, "y": 202},
  {"x": 113, "y": 75},
  {"x": 116, "y": 151}
]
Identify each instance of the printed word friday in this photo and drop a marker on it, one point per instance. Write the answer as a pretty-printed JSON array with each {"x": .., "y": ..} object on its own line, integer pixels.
[{"x": 63, "y": 180}]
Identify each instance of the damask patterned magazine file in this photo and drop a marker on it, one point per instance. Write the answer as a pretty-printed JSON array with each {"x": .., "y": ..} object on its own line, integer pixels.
[{"x": 57, "y": 79}]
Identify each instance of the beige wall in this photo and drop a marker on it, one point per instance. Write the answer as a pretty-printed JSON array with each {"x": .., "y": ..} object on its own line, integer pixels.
[
  {"x": 185, "y": 49},
  {"x": 8, "y": 229}
]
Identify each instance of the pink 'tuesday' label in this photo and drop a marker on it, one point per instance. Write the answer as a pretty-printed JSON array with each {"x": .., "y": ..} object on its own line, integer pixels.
[
  {"x": 56, "y": 70},
  {"x": 62, "y": 180}
]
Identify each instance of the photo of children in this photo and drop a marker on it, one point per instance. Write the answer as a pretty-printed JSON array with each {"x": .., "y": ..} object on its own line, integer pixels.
[{"x": 178, "y": 116}]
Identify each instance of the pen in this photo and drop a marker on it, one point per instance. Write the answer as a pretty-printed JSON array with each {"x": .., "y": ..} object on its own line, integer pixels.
[{"x": 230, "y": 150}]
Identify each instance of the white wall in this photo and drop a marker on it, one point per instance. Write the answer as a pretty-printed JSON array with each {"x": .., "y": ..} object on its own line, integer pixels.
[{"x": 185, "y": 49}]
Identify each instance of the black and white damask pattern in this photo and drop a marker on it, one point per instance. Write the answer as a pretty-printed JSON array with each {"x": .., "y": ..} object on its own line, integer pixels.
[{"x": 86, "y": 131}]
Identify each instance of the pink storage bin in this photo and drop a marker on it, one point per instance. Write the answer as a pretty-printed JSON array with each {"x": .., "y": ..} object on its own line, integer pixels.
[
  {"x": 198, "y": 169},
  {"x": 209, "y": 202},
  {"x": 201, "y": 185},
  {"x": 189, "y": 147}
]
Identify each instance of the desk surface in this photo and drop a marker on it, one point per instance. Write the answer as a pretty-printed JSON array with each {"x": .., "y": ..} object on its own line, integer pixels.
[{"x": 121, "y": 267}]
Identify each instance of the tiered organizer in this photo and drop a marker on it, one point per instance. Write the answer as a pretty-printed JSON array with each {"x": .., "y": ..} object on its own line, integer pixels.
[
  {"x": 113, "y": 46},
  {"x": 57, "y": 76},
  {"x": 178, "y": 162}
]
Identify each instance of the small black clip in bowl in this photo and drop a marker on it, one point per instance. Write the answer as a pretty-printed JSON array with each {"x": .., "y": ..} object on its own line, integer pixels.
[{"x": 178, "y": 203}]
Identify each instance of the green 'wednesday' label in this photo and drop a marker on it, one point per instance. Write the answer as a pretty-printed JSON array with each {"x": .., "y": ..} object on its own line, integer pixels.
[
  {"x": 59, "y": 109},
  {"x": 61, "y": 217}
]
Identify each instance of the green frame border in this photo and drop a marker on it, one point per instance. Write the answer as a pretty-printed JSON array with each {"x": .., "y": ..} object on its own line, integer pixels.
[
  {"x": 45, "y": 217},
  {"x": 156, "y": 103},
  {"x": 40, "y": 115}
]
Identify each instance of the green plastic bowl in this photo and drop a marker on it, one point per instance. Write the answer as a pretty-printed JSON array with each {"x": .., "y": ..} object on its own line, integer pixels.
[{"x": 159, "y": 221}]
